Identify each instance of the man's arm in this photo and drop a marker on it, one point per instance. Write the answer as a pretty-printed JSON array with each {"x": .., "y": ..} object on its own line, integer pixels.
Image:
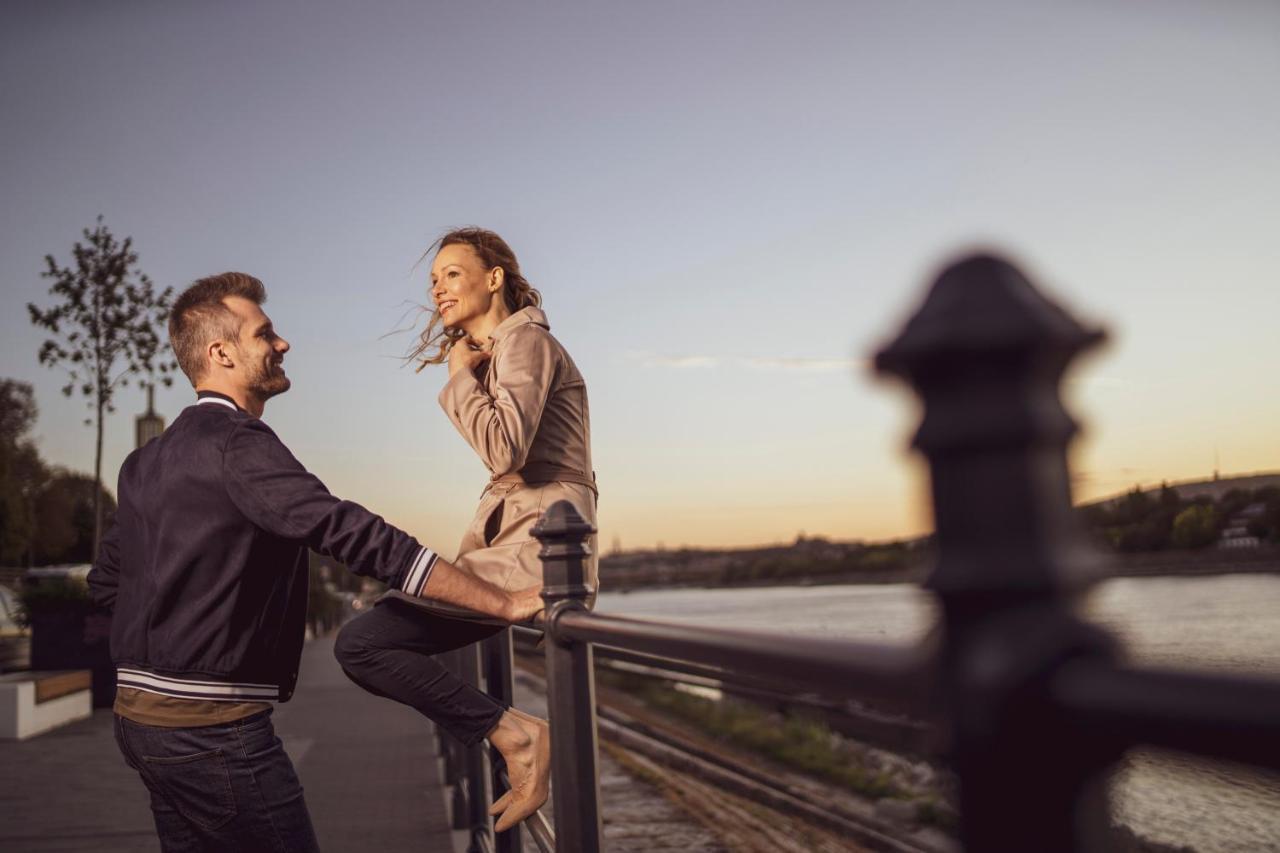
[
  {"x": 104, "y": 577},
  {"x": 276, "y": 493},
  {"x": 451, "y": 584}
]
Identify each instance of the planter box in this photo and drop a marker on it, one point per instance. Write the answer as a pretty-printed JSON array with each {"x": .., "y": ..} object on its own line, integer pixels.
[
  {"x": 32, "y": 703},
  {"x": 59, "y": 641}
]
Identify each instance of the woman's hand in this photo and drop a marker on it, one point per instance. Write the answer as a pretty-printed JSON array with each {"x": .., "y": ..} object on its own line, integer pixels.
[{"x": 466, "y": 354}]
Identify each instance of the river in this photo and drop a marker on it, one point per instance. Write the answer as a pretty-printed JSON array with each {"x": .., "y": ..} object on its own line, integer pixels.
[{"x": 1226, "y": 623}]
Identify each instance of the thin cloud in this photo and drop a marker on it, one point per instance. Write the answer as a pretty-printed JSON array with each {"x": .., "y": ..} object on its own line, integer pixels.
[
  {"x": 679, "y": 361},
  {"x": 816, "y": 365},
  {"x": 811, "y": 365}
]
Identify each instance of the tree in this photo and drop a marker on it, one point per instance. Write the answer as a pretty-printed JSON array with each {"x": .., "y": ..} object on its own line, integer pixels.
[
  {"x": 107, "y": 328},
  {"x": 22, "y": 474},
  {"x": 65, "y": 518},
  {"x": 1196, "y": 526}
]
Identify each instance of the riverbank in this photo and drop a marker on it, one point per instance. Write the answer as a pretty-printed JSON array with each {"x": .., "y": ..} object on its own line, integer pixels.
[{"x": 823, "y": 563}]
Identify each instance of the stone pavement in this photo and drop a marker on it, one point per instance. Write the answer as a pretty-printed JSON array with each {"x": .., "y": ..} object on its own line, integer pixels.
[{"x": 367, "y": 764}]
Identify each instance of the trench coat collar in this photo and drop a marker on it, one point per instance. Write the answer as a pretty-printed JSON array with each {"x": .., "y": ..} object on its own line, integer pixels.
[{"x": 523, "y": 317}]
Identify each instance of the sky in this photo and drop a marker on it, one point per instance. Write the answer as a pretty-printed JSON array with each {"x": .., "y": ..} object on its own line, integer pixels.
[{"x": 727, "y": 206}]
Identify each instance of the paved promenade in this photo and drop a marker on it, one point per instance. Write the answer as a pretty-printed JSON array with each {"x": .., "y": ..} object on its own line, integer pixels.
[{"x": 368, "y": 766}]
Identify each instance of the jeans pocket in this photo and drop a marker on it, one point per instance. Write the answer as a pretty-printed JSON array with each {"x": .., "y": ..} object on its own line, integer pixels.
[{"x": 198, "y": 786}]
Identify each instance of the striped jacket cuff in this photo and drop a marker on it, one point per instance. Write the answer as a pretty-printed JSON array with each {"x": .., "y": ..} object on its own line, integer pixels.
[
  {"x": 196, "y": 688},
  {"x": 419, "y": 571}
]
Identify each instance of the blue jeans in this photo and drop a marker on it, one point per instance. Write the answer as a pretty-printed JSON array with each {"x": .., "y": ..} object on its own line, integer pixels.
[{"x": 224, "y": 787}]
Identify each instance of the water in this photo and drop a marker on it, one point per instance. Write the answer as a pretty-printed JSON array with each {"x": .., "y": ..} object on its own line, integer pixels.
[{"x": 1228, "y": 623}]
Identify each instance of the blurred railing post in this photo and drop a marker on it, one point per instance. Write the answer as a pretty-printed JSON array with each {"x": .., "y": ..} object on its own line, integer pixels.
[
  {"x": 986, "y": 353},
  {"x": 500, "y": 681},
  {"x": 571, "y": 704},
  {"x": 476, "y": 765}
]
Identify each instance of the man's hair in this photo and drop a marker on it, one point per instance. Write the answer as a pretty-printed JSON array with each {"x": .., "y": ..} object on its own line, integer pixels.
[{"x": 200, "y": 317}]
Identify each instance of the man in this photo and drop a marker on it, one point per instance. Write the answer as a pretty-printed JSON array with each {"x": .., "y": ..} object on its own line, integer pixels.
[{"x": 205, "y": 571}]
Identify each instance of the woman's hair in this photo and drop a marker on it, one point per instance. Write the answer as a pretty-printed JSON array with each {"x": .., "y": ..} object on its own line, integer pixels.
[{"x": 437, "y": 339}]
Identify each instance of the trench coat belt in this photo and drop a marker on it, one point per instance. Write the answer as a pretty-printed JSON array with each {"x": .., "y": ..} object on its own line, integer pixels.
[{"x": 541, "y": 473}]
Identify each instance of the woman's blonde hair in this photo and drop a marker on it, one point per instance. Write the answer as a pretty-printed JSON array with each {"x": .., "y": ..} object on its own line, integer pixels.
[{"x": 437, "y": 339}]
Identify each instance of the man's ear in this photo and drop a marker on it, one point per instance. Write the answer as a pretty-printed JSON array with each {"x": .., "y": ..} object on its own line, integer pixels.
[{"x": 220, "y": 354}]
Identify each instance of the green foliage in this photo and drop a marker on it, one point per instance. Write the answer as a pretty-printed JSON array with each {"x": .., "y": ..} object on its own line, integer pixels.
[
  {"x": 52, "y": 595},
  {"x": 1196, "y": 526},
  {"x": 21, "y": 471},
  {"x": 1138, "y": 521},
  {"x": 64, "y": 515},
  {"x": 106, "y": 325},
  {"x": 46, "y": 514},
  {"x": 1147, "y": 522},
  {"x": 795, "y": 741}
]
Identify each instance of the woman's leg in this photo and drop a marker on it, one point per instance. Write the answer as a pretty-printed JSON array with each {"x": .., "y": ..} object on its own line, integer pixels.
[{"x": 390, "y": 651}]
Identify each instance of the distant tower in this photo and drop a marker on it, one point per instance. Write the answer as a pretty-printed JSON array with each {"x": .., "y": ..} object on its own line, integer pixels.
[{"x": 148, "y": 425}]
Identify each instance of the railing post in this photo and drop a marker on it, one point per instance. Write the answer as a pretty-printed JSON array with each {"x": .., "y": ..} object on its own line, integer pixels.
[
  {"x": 986, "y": 353},
  {"x": 571, "y": 692},
  {"x": 500, "y": 681},
  {"x": 477, "y": 771},
  {"x": 453, "y": 753}
]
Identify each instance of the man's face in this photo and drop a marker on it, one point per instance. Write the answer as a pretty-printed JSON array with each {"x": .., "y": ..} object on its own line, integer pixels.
[{"x": 260, "y": 351}]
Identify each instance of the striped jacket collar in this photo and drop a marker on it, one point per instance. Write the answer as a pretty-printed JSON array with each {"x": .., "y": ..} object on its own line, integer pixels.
[{"x": 216, "y": 398}]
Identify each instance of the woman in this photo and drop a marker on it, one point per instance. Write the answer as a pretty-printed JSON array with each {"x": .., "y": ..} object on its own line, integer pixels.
[
  {"x": 517, "y": 398},
  {"x": 520, "y": 402}
]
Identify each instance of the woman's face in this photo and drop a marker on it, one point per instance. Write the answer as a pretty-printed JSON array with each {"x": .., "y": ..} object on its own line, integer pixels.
[{"x": 462, "y": 289}]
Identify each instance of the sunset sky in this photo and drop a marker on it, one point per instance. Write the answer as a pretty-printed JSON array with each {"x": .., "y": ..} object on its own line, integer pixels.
[{"x": 728, "y": 206}]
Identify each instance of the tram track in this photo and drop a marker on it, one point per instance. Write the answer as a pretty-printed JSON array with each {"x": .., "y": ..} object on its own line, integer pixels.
[{"x": 727, "y": 794}]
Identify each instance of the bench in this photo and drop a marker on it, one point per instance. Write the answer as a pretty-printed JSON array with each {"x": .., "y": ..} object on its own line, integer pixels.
[{"x": 32, "y": 703}]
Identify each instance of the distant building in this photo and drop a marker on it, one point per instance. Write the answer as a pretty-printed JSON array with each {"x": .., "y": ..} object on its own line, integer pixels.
[
  {"x": 149, "y": 424},
  {"x": 1236, "y": 534}
]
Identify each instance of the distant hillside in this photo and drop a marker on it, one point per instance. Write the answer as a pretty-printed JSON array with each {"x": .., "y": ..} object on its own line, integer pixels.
[
  {"x": 807, "y": 560},
  {"x": 1178, "y": 528},
  {"x": 1214, "y": 489}
]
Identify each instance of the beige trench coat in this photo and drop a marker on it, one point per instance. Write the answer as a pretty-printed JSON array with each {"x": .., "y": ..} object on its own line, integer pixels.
[{"x": 526, "y": 416}]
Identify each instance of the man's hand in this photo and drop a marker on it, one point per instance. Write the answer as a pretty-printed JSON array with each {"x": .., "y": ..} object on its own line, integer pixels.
[
  {"x": 526, "y": 604},
  {"x": 466, "y": 354}
]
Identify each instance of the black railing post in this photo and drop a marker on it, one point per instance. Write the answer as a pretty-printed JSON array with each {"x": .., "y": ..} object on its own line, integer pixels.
[
  {"x": 500, "y": 681},
  {"x": 454, "y": 755},
  {"x": 571, "y": 693},
  {"x": 477, "y": 771},
  {"x": 986, "y": 353}
]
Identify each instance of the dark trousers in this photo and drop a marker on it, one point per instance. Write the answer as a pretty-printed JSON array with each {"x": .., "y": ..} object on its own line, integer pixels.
[
  {"x": 223, "y": 787},
  {"x": 389, "y": 650}
]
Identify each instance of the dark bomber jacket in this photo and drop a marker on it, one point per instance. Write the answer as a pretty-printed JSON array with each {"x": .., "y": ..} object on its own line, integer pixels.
[{"x": 205, "y": 568}]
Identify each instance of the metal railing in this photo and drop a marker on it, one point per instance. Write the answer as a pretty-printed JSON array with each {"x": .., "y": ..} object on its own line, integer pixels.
[{"x": 1027, "y": 703}]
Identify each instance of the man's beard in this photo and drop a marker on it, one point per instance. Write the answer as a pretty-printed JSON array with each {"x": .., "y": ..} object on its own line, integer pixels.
[{"x": 268, "y": 381}]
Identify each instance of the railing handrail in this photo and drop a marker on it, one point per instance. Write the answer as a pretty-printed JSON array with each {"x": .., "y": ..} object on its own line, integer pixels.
[
  {"x": 832, "y": 667},
  {"x": 885, "y": 723}
]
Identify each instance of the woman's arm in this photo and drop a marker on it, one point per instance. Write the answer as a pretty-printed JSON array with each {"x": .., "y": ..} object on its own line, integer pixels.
[{"x": 501, "y": 427}]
